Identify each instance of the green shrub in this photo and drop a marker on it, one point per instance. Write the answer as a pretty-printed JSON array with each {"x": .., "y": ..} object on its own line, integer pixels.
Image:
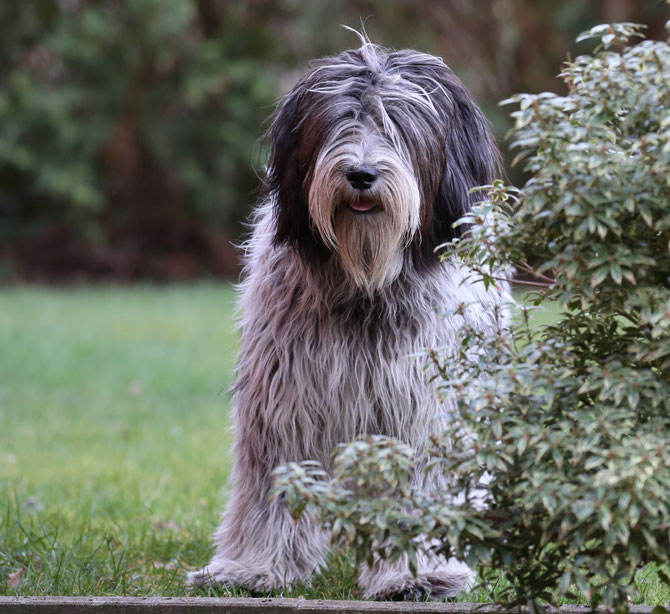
[{"x": 565, "y": 429}]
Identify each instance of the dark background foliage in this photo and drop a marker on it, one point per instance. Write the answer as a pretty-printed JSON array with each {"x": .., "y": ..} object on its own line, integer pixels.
[{"x": 129, "y": 128}]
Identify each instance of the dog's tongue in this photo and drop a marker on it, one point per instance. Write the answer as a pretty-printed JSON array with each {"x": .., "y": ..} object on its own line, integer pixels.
[{"x": 362, "y": 205}]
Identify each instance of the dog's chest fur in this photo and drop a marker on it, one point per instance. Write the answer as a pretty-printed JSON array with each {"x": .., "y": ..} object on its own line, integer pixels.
[{"x": 321, "y": 365}]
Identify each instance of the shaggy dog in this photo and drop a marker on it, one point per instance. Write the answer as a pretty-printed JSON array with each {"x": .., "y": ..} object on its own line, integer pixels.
[{"x": 372, "y": 155}]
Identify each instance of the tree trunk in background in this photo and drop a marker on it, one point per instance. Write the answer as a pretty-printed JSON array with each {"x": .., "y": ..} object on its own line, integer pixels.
[{"x": 619, "y": 10}]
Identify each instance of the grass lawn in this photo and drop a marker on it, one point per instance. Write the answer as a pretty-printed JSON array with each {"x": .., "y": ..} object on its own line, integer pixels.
[
  {"x": 114, "y": 438},
  {"x": 114, "y": 441}
]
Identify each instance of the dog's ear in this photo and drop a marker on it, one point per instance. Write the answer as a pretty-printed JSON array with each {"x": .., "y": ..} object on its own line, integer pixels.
[
  {"x": 286, "y": 171},
  {"x": 292, "y": 152},
  {"x": 471, "y": 159}
]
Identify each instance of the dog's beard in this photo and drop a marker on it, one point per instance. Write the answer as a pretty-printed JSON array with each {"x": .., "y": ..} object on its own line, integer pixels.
[{"x": 369, "y": 244}]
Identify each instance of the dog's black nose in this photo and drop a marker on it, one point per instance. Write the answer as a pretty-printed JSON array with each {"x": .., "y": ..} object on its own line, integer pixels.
[{"x": 362, "y": 177}]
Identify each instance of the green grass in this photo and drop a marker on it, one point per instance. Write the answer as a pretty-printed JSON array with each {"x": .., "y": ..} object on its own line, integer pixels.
[
  {"x": 114, "y": 435},
  {"x": 115, "y": 441}
]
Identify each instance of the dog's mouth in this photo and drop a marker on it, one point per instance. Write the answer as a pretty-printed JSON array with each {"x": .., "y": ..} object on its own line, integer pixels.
[{"x": 364, "y": 206}]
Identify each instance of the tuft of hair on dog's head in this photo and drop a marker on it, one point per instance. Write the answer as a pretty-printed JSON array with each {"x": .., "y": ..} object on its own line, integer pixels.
[{"x": 372, "y": 157}]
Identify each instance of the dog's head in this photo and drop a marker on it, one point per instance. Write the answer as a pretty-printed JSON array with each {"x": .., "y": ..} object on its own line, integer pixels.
[{"x": 372, "y": 155}]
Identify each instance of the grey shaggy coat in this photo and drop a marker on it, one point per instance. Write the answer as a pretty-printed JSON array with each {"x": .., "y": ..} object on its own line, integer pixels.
[{"x": 372, "y": 157}]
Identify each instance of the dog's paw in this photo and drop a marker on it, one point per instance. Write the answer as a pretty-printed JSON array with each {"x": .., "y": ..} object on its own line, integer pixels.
[
  {"x": 224, "y": 573},
  {"x": 202, "y": 577},
  {"x": 389, "y": 583},
  {"x": 450, "y": 582},
  {"x": 406, "y": 588}
]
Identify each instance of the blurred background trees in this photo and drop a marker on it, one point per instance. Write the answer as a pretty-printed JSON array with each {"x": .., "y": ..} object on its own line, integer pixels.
[{"x": 129, "y": 129}]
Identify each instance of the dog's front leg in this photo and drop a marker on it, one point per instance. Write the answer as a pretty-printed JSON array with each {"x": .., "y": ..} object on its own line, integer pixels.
[
  {"x": 258, "y": 544},
  {"x": 436, "y": 577}
]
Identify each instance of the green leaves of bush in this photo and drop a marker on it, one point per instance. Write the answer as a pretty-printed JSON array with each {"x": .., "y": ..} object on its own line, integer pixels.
[{"x": 557, "y": 465}]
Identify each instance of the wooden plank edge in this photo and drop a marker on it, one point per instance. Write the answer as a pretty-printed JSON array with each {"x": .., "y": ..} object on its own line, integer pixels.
[{"x": 214, "y": 605}]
